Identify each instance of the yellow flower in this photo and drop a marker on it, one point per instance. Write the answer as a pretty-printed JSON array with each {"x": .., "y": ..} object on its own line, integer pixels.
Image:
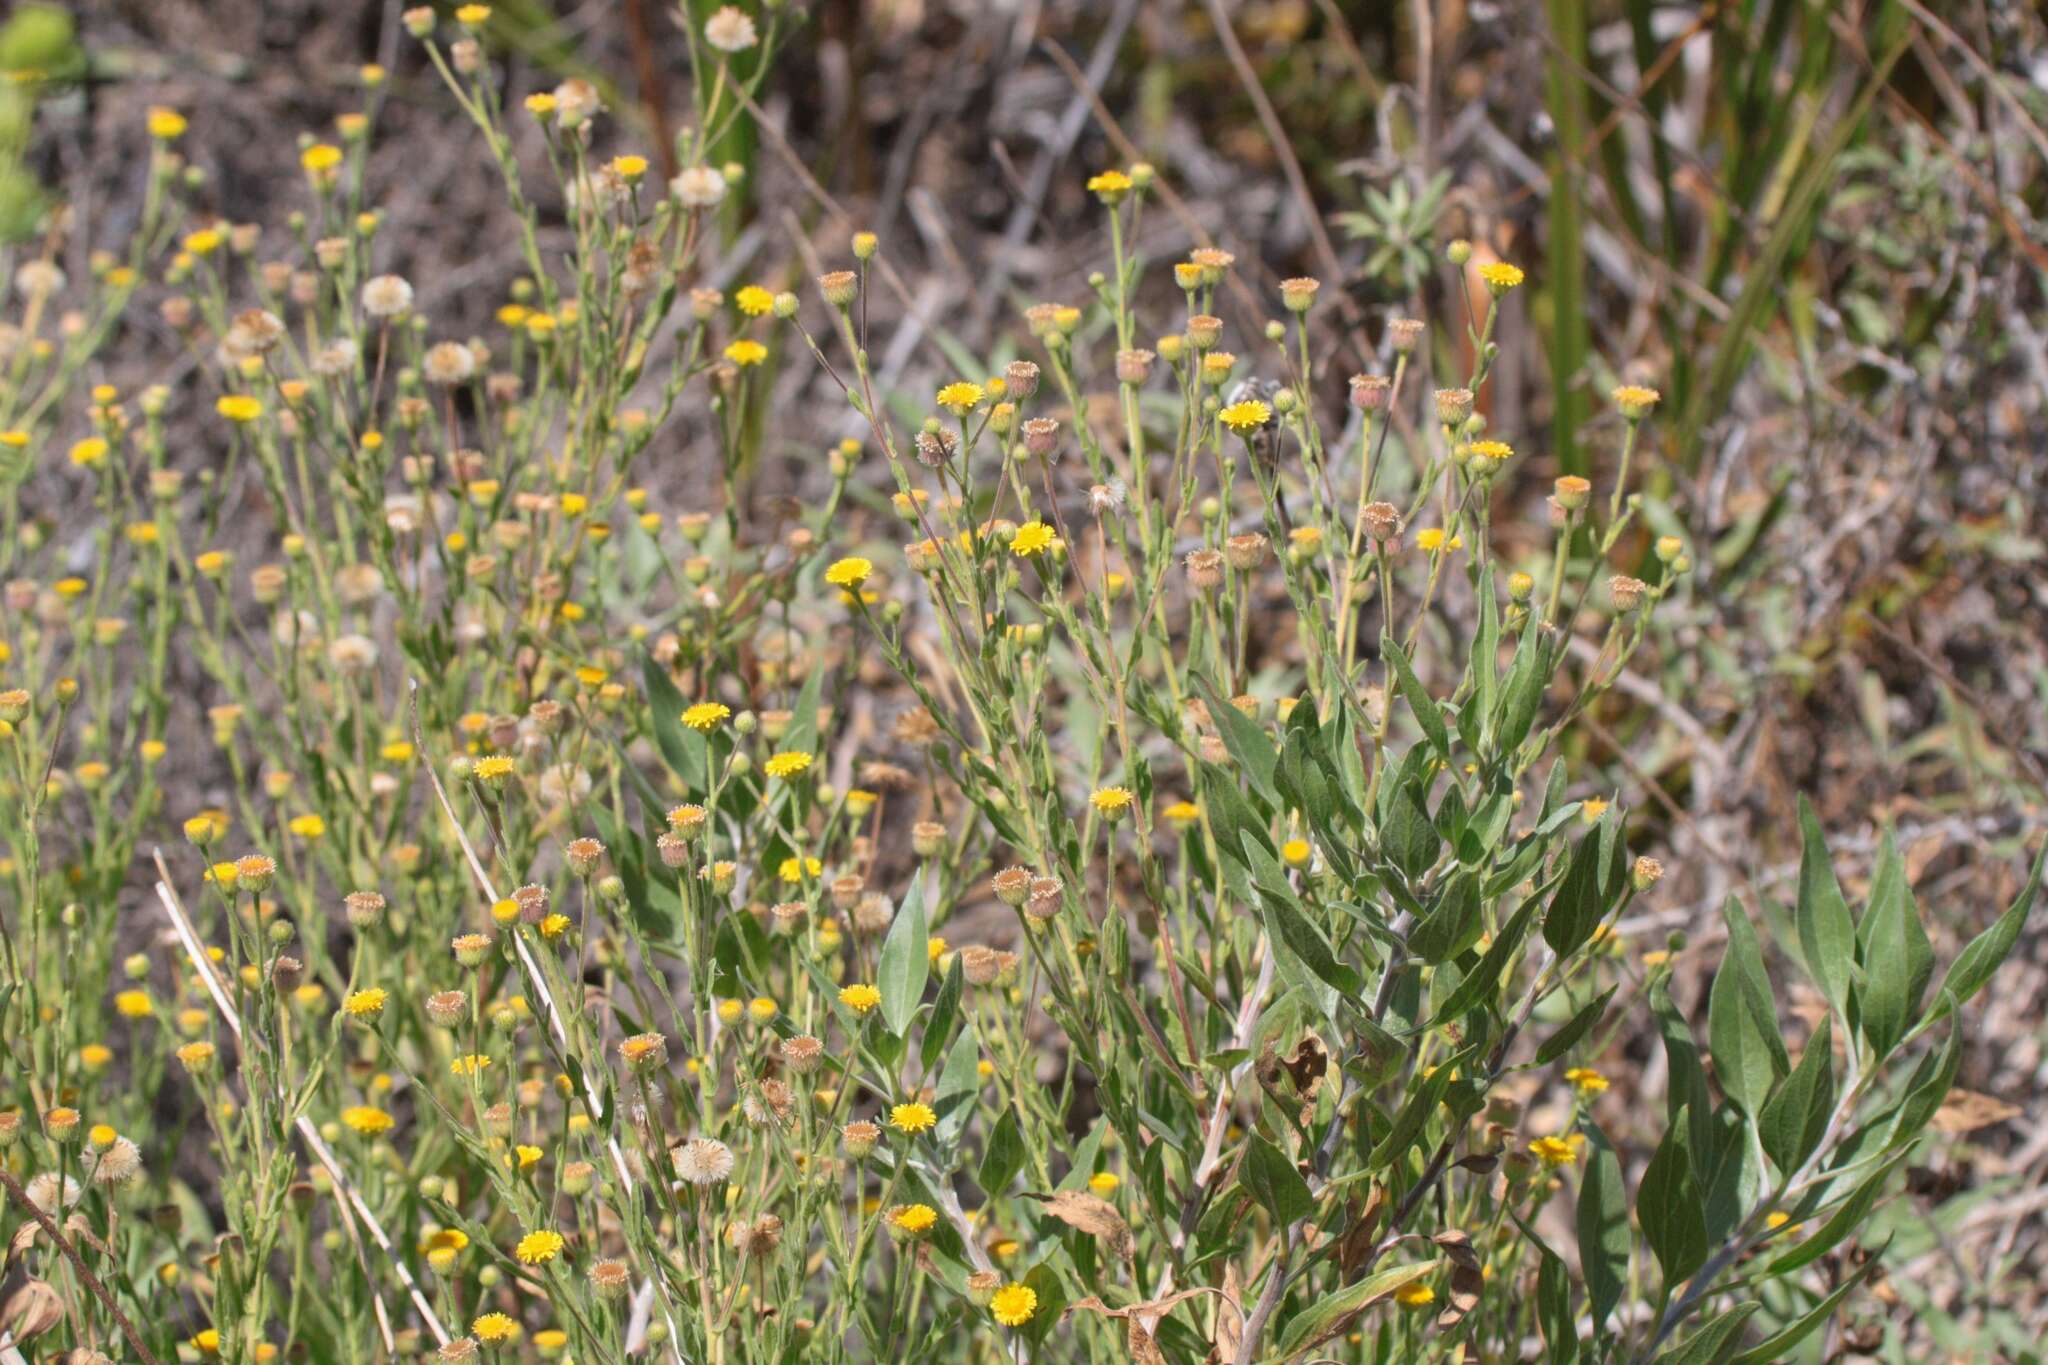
[
  {"x": 860, "y": 998},
  {"x": 308, "y": 826},
  {"x": 914, "y": 1117},
  {"x": 1500, "y": 276},
  {"x": 470, "y": 1065},
  {"x": 1296, "y": 852},
  {"x": 1111, "y": 801},
  {"x": 1109, "y": 186},
  {"x": 629, "y": 167},
  {"x": 745, "y": 352},
  {"x": 538, "y": 1248},
  {"x": 89, "y": 452},
  {"x": 1014, "y": 1304},
  {"x": 366, "y": 1003},
  {"x": 320, "y": 157},
  {"x": 794, "y": 870},
  {"x": 1553, "y": 1151},
  {"x": 1104, "y": 1182},
  {"x": 493, "y": 768},
  {"x": 754, "y": 301},
  {"x": 495, "y": 1329},
  {"x": 914, "y": 1218},
  {"x": 133, "y": 1005},
  {"x": 239, "y": 407},
  {"x": 1246, "y": 415},
  {"x": 959, "y": 397},
  {"x": 1032, "y": 537},
  {"x": 705, "y": 715},
  {"x": 95, "y": 1056},
  {"x": 1635, "y": 401},
  {"x": 207, "y": 1342},
  {"x": 165, "y": 124},
  {"x": 1591, "y": 809},
  {"x": 787, "y": 764},
  {"x": 366, "y": 1120},
  {"x": 472, "y": 15},
  {"x": 849, "y": 573},
  {"x": 1586, "y": 1081},
  {"x": 1415, "y": 1295},
  {"x": 204, "y": 242}
]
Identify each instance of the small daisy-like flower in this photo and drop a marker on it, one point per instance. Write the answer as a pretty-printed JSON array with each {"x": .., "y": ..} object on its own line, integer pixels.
[
  {"x": 1013, "y": 1304},
  {"x": 320, "y": 158},
  {"x": 1033, "y": 537},
  {"x": 495, "y": 1329},
  {"x": 860, "y": 997},
  {"x": 165, "y": 124},
  {"x": 366, "y": 1120},
  {"x": 787, "y": 764},
  {"x": 470, "y": 1065},
  {"x": 697, "y": 187},
  {"x": 1111, "y": 801},
  {"x": 794, "y": 870},
  {"x": 88, "y": 452},
  {"x": 745, "y": 352},
  {"x": 1500, "y": 276},
  {"x": 706, "y": 715},
  {"x": 1586, "y": 1081},
  {"x": 1109, "y": 186},
  {"x": 959, "y": 397},
  {"x": 849, "y": 573},
  {"x": 913, "y": 1117},
  {"x": 1415, "y": 1295},
  {"x": 538, "y": 1248},
  {"x": 754, "y": 301},
  {"x": 1246, "y": 415},
  {"x": 1634, "y": 401},
  {"x": 365, "y": 1004},
  {"x": 493, "y": 769},
  {"x": 629, "y": 168},
  {"x": 914, "y": 1220},
  {"x": 1554, "y": 1151}
]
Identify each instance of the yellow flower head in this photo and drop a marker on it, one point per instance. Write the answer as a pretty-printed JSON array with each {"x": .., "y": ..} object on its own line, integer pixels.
[
  {"x": 849, "y": 573},
  {"x": 959, "y": 397},
  {"x": 1554, "y": 1151},
  {"x": 914, "y": 1218},
  {"x": 745, "y": 352},
  {"x": 239, "y": 407},
  {"x": 1014, "y": 1304},
  {"x": 89, "y": 452},
  {"x": 320, "y": 158},
  {"x": 495, "y": 1329},
  {"x": 366, "y": 1120},
  {"x": 1111, "y": 801},
  {"x": 1247, "y": 415},
  {"x": 470, "y": 1065},
  {"x": 538, "y": 1248},
  {"x": 1033, "y": 537},
  {"x": 914, "y": 1117},
  {"x": 754, "y": 301},
  {"x": 1586, "y": 1081},
  {"x": 1109, "y": 186},
  {"x": 1415, "y": 1295},
  {"x": 787, "y": 764},
  {"x": 860, "y": 998},
  {"x": 1500, "y": 276},
  {"x": 629, "y": 167},
  {"x": 706, "y": 715},
  {"x": 165, "y": 124},
  {"x": 365, "y": 1004}
]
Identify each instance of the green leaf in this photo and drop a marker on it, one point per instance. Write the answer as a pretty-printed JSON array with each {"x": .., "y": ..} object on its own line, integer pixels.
[
  {"x": 1848, "y": 1216},
  {"x": 1742, "y": 1022},
  {"x": 1982, "y": 956},
  {"x": 1603, "y": 1228},
  {"x": 1709, "y": 1345},
  {"x": 1580, "y": 1024},
  {"x": 1827, "y": 936},
  {"x": 682, "y": 749},
  {"x": 1575, "y": 911},
  {"x": 1003, "y": 1156},
  {"x": 1427, "y": 713},
  {"x": 1795, "y": 1118},
  {"x": 1330, "y": 1314},
  {"x": 945, "y": 1013},
  {"x": 906, "y": 959},
  {"x": 1483, "y": 980},
  {"x": 1453, "y": 926},
  {"x": 1669, "y": 1207},
  {"x": 1779, "y": 1346},
  {"x": 1898, "y": 961},
  {"x": 1245, "y": 738},
  {"x": 1276, "y": 1182}
]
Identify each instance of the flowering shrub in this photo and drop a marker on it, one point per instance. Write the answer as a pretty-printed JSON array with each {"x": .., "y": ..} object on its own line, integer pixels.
[{"x": 1215, "y": 960}]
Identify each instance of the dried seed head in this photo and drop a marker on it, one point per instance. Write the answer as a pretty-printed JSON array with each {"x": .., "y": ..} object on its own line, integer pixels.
[
  {"x": 788, "y": 918},
  {"x": 286, "y": 973},
  {"x": 1645, "y": 873},
  {"x": 839, "y": 287},
  {"x": 979, "y": 964},
  {"x": 363, "y": 908},
  {"x": 1382, "y": 521},
  {"x": 1044, "y": 901},
  {"x": 583, "y": 855},
  {"x": 1245, "y": 552},
  {"x": 1626, "y": 593},
  {"x": 1204, "y": 331},
  {"x": 1403, "y": 333},
  {"x": 1020, "y": 377},
  {"x": 1299, "y": 295},
  {"x": 448, "y": 1008},
  {"x": 1012, "y": 885},
  {"x": 846, "y": 890},
  {"x": 1041, "y": 435},
  {"x": 802, "y": 1054},
  {"x": 873, "y": 915},
  {"x": 859, "y": 1138},
  {"x": 611, "y": 1279},
  {"x": 935, "y": 447},
  {"x": 1134, "y": 365},
  {"x": 1368, "y": 392},
  {"x": 1453, "y": 406},
  {"x": 1205, "y": 569},
  {"x": 928, "y": 838},
  {"x": 532, "y": 900}
]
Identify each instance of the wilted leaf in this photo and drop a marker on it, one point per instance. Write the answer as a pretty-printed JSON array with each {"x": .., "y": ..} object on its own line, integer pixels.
[
  {"x": 1965, "y": 1111},
  {"x": 1096, "y": 1217}
]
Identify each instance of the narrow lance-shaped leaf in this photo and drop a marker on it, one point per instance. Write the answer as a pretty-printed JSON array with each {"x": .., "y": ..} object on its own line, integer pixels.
[
  {"x": 1827, "y": 936},
  {"x": 906, "y": 959}
]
